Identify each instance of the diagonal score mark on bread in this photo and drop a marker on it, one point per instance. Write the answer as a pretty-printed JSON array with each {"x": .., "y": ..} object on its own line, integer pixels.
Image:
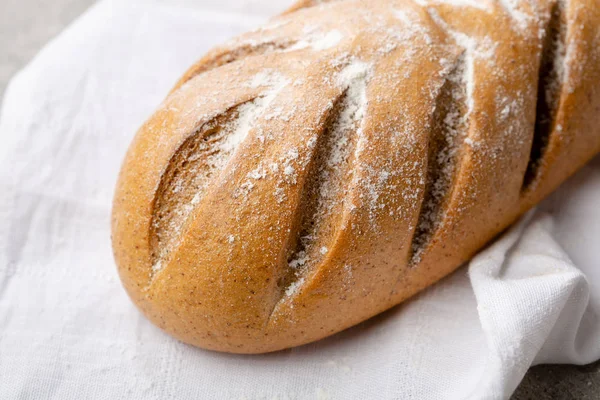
[
  {"x": 190, "y": 171},
  {"x": 384, "y": 142},
  {"x": 198, "y": 163},
  {"x": 264, "y": 40},
  {"x": 325, "y": 191},
  {"x": 448, "y": 132},
  {"x": 237, "y": 52},
  {"x": 550, "y": 83}
]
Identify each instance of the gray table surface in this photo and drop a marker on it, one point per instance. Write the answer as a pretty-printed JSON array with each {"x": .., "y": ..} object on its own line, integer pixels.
[{"x": 26, "y": 25}]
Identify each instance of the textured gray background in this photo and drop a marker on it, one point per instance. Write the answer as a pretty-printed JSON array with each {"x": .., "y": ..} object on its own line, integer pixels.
[{"x": 26, "y": 25}]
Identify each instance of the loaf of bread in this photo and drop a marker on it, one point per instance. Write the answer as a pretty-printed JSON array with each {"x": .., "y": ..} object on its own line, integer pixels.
[{"x": 324, "y": 168}]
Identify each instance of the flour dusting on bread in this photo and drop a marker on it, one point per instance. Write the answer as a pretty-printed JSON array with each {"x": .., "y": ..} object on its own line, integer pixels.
[
  {"x": 199, "y": 161},
  {"x": 315, "y": 172},
  {"x": 325, "y": 192}
]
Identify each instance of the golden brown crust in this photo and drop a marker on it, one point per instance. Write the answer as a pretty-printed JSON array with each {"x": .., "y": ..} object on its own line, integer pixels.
[{"x": 315, "y": 172}]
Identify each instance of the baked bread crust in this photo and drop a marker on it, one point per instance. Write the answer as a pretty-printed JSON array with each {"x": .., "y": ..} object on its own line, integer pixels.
[{"x": 320, "y": 170}]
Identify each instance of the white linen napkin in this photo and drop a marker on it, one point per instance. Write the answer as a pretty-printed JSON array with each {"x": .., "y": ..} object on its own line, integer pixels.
[{"x": 68, "y": 330}]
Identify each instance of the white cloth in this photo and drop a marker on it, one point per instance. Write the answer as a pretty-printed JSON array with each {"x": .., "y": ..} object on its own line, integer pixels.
[{"x": 68, "y": 330}]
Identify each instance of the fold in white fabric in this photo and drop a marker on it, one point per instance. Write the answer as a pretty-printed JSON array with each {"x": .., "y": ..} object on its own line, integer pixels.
[{"x": 68, "y": 330}]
